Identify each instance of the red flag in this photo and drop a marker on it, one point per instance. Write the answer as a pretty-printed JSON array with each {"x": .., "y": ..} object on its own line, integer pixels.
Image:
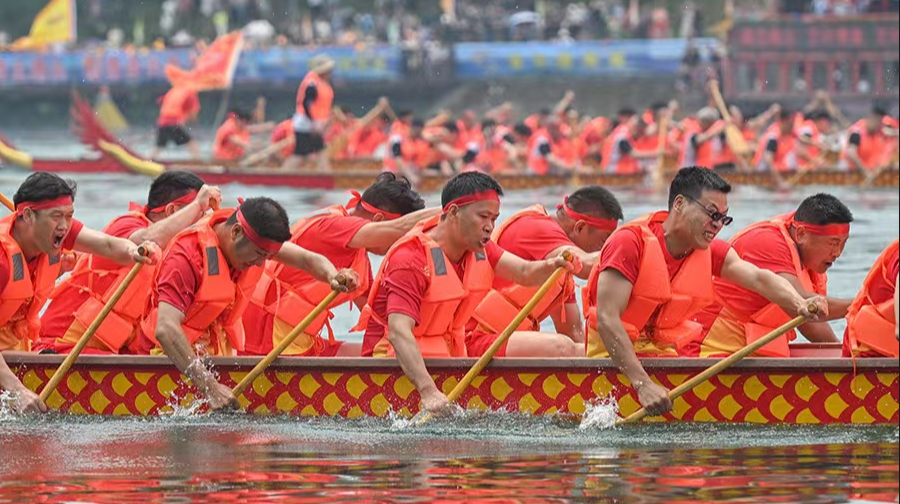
[{"x": 214, "y": 68}]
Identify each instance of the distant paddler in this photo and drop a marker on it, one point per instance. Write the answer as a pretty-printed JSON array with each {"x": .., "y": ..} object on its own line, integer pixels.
[
  {"x": 179, "y": 106},
  {"x": 32, "y": 239},
  {"x": 205, "y": 281},
  {"x": 656, "y": 272},
  {"x": 315, "y": 98},
  {"x": 432, "y": 279},
  {"x": 872, "y": 316},
  {"x": 176, "y": 200},
  {"x": 346, "y": 234},
  {"x": 800, "y": 246},
  {"x": 580, "y": 224},
  {"x": 867, "y": 143},
  {"x": 233, "y": 138}
]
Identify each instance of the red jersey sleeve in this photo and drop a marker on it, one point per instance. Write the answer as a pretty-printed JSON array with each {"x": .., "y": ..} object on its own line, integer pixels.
[
  {"x": 493, "y": 253},
  {"x": 69, "y": 242},
  {"x": 719, "y": 251},
  {"x": 767, "y": 250},
  {"x": 622, "y": 252},
  {"x": 126, "y": 226},
  {"x": 533, "y": 238},
  {"x": 405, "y": 283},
  {"x": 339, "y": 231},
  {"x": 179, "y": 275}
]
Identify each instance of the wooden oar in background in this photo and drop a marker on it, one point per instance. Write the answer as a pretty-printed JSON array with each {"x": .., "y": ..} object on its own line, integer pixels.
[
  {"x": 260, "y": 367},
  {"x": 733, "y": 134},
  {"x": 485, "y": 359},
  {"x": 8, "y": 203},
  {"x": 724, "y": 363},
  {"x": 89, "y": 333},
  {"x": 659, "y": 175}
]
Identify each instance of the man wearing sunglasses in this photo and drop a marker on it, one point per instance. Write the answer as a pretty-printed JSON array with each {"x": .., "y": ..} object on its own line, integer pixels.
[
  {"x": 800, "y": 247},
  {"x": 656, "y": 272}
]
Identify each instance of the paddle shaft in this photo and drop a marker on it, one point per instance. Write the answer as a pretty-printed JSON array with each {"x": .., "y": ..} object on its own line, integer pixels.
[
  {"x": 659, "y": 182},
  {"x": 485, "y": 359},
  {"x": 286, "y": 342},
  {"x": 266, "y": 152},
  {"x": 7, "y": 202},
  {"x": 723, "y": 364},
  {"x": 89, "y": 333}
]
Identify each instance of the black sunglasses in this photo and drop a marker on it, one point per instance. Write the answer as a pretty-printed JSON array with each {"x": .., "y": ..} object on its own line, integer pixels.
[{"x": 715, "y": 216}]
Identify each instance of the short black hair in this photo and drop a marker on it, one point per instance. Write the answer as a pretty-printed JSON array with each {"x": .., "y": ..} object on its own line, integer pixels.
[
  {"x": 451, "y": 127},
  {"x": 404, "y": 113},
  {"x": 626, "y": 111},
  {"x": 172, "y": 185},
  {"x": 393, "y": 194},
  {"x": 693, "y": 180},
  {"x": 488, "y": 123},
  {"x": 821, "y": 209},
  {"x": 241, "y": 114},
  {"x": 267, "y": 217},
  {"x": 417, "y": 123},
  {"x": 544, "y": 111},
  {"x": 879, "y": 111},
  {"x": 468, "y": 183},
  {"x": 657, "y": 106},
  {"x": 785, "y": 114},
  {"x": 41, "y": 186},
  {"x": 595, "y": 201},
  {"x": 522, "y": 129}
]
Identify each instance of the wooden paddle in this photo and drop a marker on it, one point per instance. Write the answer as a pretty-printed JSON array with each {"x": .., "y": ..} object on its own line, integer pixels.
[
  {"x": 485, "y": 359},
  {"x": 659, "y": 175},
  {"x": 733, "y": 135},
  {"x": 89, "y": 333},
  {"x": 286, "y": 342},
  {"x": 724, "y": 363},
  {"x": 263, "y": 154},
  {"x": 8, "y": 203}
]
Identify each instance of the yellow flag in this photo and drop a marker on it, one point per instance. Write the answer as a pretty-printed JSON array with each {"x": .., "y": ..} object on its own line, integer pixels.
[{"x": 55, "y": 23}]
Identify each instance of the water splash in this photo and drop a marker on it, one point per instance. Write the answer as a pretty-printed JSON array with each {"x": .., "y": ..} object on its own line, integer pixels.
[
  {"x": 8, "y": 411},
  {"x": 600, "y": 413},
  {"x": 182, "y": 407}
]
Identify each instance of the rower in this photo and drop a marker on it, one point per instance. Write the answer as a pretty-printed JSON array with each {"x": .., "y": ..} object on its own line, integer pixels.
[
  {"x": 179, "y": 106},
  {"x": 232, "y": 140},
  {"x": 865, "y": 147},
  {"x": 176, "y": 200},
  {"x": 315, "y": 98},
  {"x": 800, "y": 246},
  {"x": 369, "y": 223},
  {"x": 619, "y": 153},
  {"x": 703, "y": 145},
  {"x": 581, "y": 224},
  {"x": 432, "y": 279},
  {"x": 32, "y": 240},
  {"x": 205, "y": 280},
  {"x": 778, "y": 149},
  {"x": 656, "y": 272},
  {"x": 873, "y": 315}
]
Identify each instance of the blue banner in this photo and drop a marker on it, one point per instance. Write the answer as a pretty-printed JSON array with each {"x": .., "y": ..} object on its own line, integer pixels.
[
  {"x": 279, "y": 65},
  {"x": 580, "y": 59}
]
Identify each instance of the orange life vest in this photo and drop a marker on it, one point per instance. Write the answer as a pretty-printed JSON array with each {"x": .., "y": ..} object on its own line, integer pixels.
[
  {"x": 321, "y": 107},
  {"x": 707, "y": 154},
  {"x": 537, "y": 162},
  {"x": 23, "y": 298},
  {"x": 283, "y": 130},
  {"x": 613, "y": 160},
  {"x": 770, "y": 317},
  {"x": 785, "y": 158},
  {"x": 416, "y": 151},
  {"x": 872, "y": 146},
  {"x": 870, "y": 326},
  {"x": 120, "y": 325},
  {"x": 173, "y": 108},
  {"x": 225, "y": 150},
  {"x": 502, "y": 305},
  {"x": 449, "y": 301},
  {"x": 292, "y": 303},
  {"x": 215, "y": 315},
  {"x": 657, "y": 317}
]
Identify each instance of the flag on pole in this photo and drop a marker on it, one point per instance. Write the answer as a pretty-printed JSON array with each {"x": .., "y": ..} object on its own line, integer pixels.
[
  {"x": 55, "y": 23},
  {"x": 214, "y": 68}
]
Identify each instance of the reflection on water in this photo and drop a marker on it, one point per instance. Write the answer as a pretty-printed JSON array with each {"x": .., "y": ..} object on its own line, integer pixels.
[{"x": 485, "y": 458}]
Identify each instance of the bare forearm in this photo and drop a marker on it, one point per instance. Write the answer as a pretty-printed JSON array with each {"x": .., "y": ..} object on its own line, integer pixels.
[
  {"x": 534, "y": 273},
  {"x": 837, "y": 308},
  {"x": 818, "y": 332},
  {"x": 620, "y": 349},
  {"x": 163, "y": 231},
  {"x": 176, "y": 346},
  {"x": 411, "y": 360},
  {"x": 777, "y": 290},
  {"x": 8, "y": 380},
  {"x": 315, "y": 264}
]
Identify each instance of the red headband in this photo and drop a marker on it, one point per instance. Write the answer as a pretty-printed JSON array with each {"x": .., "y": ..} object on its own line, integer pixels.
[
  {"x": 357, "y": 200},
  {"x": 595, "y": 222},
  {"x": 825, "y": 229},
  {"x": 184, "y": 200},
  {"x": 489, "y": 195},
  {"x": 270, "y": 246},
  {"x": 43, "y": 204}
]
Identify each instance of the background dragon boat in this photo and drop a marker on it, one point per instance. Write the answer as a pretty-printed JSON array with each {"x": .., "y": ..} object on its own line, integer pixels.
[
  {"x": 813, "y": 388},
  {"x": 115, "y": 157}
]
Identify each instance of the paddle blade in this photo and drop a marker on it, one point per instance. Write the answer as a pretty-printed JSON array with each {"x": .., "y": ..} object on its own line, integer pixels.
[{"x": 736, "y": 141}]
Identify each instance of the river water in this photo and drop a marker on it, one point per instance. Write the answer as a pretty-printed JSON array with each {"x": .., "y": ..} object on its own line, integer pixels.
[{"x": 478, "y": 458}]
